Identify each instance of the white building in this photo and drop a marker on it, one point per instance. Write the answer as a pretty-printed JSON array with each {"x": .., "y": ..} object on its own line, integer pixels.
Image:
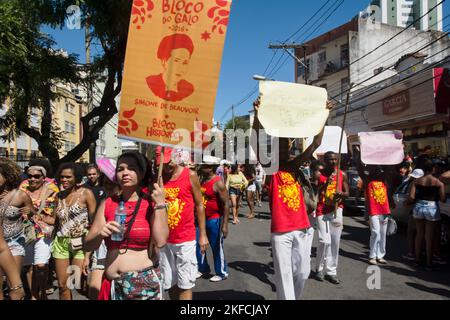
[
  {"x": 402, "y": 13},
  {"x": 371, "y": 56}
]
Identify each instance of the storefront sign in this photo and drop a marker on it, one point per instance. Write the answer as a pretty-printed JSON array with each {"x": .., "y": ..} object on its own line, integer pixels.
[
  {"x": 396, "y": 104},
  {"x": 403, "y": 101}
]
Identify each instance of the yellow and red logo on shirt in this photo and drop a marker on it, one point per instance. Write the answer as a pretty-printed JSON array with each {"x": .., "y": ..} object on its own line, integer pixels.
[
  {"x": 289, "y": 191},
  {"x": 176, "y": 207},
  {"x": 330, "y": 192},
  {"x": 204, "y": 197},
  {"x": 378, "y": 192}
]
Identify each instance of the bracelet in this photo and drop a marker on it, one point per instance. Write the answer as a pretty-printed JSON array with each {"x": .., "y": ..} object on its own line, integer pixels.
[
  {"x": 20, "y": 286},
  {"x": 161, "y": 206}
]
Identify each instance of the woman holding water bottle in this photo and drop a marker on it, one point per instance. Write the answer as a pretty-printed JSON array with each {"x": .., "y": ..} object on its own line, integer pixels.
[
  {"x": 131, "y": 271},
  {"x": 75, "y": 204}
]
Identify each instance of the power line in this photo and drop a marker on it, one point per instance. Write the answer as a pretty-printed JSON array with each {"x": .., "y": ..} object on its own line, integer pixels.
[
  {"x": 325, "y": 20},
  {"x": 431, "y": 66},
  {"x": 337, "y": 83},
  {"x": 375, "y": 75},
  {"x": 255, "y": 89},
  {"x": 306, "y": 23},
  {"x": 397, "y": 34}
]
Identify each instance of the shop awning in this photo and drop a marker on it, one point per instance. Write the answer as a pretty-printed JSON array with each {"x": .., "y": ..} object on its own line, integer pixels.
[{"x": 432, "y": 129}]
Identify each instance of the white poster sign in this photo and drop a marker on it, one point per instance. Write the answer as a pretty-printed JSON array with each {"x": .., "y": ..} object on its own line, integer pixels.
[{"x": 292, "y": 110}]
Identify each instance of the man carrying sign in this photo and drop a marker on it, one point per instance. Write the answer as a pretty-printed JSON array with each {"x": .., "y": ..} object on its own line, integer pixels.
[
  {"x": 290, "y": 221},
  {"x": 329, "y": 219},
  {"x": 378, "y": 202}
]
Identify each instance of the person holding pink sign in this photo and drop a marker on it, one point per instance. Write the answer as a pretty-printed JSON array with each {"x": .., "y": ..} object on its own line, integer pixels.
[{"x": 378, "y": 203}]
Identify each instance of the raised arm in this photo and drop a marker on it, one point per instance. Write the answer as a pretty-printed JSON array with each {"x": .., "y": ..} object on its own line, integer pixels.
[{"x": 159, "y": 225}]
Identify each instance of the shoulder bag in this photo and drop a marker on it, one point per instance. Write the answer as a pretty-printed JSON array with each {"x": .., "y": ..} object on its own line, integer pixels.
[{"x": 309, "y": 196}]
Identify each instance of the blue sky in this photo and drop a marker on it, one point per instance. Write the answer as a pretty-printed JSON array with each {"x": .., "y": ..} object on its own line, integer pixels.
[{"x": 253, "y": 25}]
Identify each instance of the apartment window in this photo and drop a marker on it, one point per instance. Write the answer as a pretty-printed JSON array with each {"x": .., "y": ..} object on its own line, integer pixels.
[
  {"x": 300, "y": 70},
  {"x": 323, "y": 56},
  {"x": 69, "y": 127},
  {"x": 344, "y": 55},
  {"x": 69, "y": 108}
]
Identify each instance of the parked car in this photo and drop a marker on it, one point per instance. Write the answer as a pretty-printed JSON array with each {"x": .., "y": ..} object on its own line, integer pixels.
[{"x": 355, "y": 201}]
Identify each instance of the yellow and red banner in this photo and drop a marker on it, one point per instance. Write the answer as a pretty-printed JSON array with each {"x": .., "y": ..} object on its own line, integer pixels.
[{"x": 171, "y": 72}]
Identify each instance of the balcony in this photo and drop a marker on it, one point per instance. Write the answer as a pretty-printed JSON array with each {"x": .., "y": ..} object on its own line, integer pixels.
[{"x": 329, "y": 67}]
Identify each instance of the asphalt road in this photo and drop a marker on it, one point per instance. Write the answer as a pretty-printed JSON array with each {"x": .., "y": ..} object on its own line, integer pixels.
[{"x": 248, "y": 253}]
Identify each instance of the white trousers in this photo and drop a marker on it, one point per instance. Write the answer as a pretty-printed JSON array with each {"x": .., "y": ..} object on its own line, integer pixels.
[
  {"x": 378, "y": 229},
  {"x": 312, "y": 222},
  {"x": 329, "y": 231},
  {"x": 292, "y": 263}
]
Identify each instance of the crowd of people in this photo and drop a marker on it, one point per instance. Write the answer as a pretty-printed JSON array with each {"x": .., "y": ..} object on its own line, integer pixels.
[{"x": 145, "y": 228}]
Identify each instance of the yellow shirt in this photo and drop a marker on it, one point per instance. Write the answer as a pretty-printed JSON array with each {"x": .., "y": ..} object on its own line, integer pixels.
[{"x": 237, "y": 181}]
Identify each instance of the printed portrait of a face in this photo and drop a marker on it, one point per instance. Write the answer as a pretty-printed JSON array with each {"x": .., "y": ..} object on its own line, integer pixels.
[{"x": 174, "y": 52}]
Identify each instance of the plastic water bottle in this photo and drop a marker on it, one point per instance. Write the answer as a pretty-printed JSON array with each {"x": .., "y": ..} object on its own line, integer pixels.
[{"x": 120, "y": 217}]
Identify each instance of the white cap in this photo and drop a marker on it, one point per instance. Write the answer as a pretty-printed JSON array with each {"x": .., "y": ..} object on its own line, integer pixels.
[{"x": 417, "y": 173}]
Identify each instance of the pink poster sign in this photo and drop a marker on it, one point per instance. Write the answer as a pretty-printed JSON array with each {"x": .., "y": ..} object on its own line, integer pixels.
[{"x": 382, "y": 148}]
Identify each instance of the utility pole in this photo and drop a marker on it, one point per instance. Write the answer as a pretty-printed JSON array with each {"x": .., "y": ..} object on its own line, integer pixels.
[
  {"x": 234, "y": 130},
  {"x": 90, "y": 98},
  {"x": 294, "y": 46}
]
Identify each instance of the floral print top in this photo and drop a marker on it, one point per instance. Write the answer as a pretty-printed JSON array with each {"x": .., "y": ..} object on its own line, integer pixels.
[{"x": 50, "y": 201}]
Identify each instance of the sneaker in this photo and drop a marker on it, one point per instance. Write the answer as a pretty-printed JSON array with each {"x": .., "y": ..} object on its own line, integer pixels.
[
  {"x": 199, "y": 275},
  {"x": 320, "y": 276},
  {"x": 382, "y": 261},
  {"x": 217, "y": 278},
  {"x": 373, "y": 261},
  {"x": 333, "y": 279},
  {"x": 50, "y": 291},
  {"x": 409, "y": 257}
]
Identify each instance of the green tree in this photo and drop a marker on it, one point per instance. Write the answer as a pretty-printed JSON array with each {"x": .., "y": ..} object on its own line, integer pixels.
[
  {"x": 27, "y": 78},
  {"x": 241, "y": 122}
]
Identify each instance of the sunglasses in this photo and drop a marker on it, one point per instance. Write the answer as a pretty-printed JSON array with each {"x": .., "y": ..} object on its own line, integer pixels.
[{"x": 35, "y": 176}]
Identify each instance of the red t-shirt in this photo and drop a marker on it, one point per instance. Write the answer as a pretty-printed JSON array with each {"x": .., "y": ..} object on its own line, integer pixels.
[
  {"x": 140, "y": 233},
  {"x": 287, "y": 204},
  {"x": 377, "y": 199},
  {"x": 210, "y": 199},
  {"x": 325, "y": 204},
  {"x": 180, "y": 199}
]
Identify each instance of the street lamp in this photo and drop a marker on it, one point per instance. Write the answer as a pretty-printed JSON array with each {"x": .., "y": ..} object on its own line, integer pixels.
[{"x": 261, "y": 78}]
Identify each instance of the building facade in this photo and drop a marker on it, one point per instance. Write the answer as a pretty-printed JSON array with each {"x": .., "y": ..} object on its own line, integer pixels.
[
  {"x": 402, "y": 13},
  {"x": 381, "y": 66}
]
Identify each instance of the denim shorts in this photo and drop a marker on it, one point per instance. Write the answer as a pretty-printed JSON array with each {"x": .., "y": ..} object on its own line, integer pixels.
[
  {"x": 426, "y": 210},
  {"x": 16, "y": 245},
  {"x": 234, "y": 191}
]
